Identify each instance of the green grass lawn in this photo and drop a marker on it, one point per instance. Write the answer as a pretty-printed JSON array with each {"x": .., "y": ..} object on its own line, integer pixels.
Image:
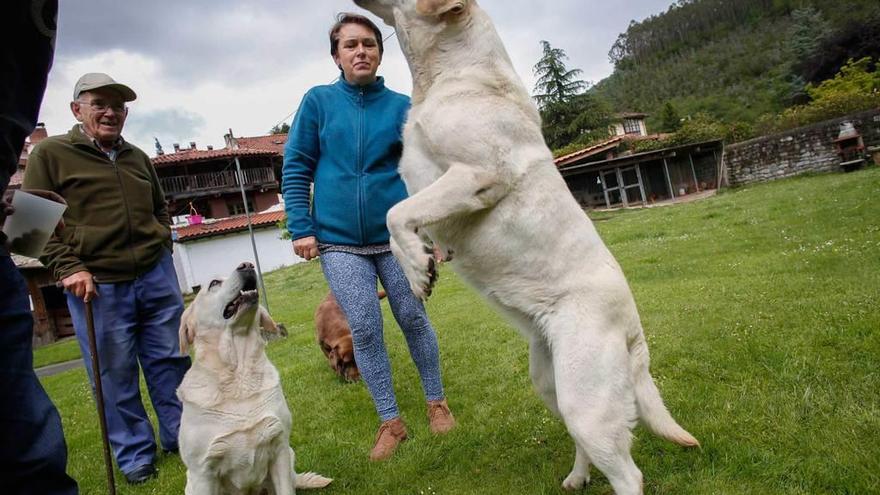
[
  {"x": 761, "y": 310},
  {"x": 57, "y": 352}
]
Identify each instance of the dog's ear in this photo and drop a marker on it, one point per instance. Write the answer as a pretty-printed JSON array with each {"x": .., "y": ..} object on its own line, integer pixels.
[
  {"x": 335, "y": 359},
  {"x": 440, "y": 7},
  {"x": 187, "y": 332},
  {"x": 269, "y": 325}
]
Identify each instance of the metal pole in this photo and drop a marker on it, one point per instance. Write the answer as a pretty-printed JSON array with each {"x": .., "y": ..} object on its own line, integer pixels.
[
  {"x": 694, "y": 171},
  {"x": 99, "y": 395},
  {"x": 240, "y": 177},
  {"x": 668, "y": 178}
]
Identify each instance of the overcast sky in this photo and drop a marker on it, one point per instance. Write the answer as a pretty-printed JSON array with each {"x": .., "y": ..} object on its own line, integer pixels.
[{"x": 200, "y": 67}]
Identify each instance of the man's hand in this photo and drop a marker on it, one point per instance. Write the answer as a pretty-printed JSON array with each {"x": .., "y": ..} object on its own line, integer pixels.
[
  {"x": 82, "y": 285},
  {"x": 306, "y": 248},
  {"x": 6, "y": 209}
]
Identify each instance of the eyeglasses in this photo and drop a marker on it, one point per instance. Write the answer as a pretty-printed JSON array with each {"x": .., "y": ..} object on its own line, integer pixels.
[{"x": 101, "y": 106}]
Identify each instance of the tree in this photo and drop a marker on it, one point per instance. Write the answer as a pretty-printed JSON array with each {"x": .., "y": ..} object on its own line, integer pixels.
[
  {"x": 582, "y": 119},
  {"x": 856, "y": 77},
  {"x": 280, "y": 129},
  {"x": 669, "y": 119},
  {"x": 556, "y": 84},
  {"x": 808, "y": 29}
]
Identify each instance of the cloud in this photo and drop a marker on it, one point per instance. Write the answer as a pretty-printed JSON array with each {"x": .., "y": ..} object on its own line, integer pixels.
[
  {"x": 169, "y": 126},
  {"x": 201, "y": 67}
]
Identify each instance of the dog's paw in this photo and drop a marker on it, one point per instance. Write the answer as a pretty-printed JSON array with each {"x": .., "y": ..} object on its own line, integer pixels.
[
  {"x": 420, "y": 269},
  {"x": 422, "y": 278},
  {"x": 575, "y": 481},
  {"x": 442, "y": 255}
]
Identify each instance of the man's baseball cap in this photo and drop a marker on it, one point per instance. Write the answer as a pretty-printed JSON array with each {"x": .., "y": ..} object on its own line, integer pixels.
[{"x": 95, "y": 80}]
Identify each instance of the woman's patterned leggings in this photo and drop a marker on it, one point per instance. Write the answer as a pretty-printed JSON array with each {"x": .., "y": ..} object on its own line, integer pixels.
[{"x": 352, "y": 278}]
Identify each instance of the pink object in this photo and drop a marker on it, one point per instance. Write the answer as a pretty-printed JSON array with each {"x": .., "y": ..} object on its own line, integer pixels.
[{"x": 194, "y": 219}]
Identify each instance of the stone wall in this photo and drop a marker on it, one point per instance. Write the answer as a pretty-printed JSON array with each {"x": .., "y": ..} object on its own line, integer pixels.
[{"x": 805, "y": 149}]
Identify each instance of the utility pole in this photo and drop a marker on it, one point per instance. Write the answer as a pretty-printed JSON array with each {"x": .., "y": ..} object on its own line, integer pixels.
[{"x": 240, "y": 177}]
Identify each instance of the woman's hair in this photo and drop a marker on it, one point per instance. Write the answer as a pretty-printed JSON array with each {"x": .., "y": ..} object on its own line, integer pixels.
[{"x": 344, "y": 18}]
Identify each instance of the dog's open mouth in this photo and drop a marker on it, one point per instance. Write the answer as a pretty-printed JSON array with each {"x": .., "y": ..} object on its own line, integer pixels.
[{"x": 247, "y": 297}]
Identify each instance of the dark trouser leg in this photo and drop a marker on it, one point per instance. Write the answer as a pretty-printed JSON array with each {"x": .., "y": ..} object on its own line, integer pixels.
[
  {"x": 33, "y": 455},
  {"x": 128, "y": 426},
  {"x": 161, "y": 305}
]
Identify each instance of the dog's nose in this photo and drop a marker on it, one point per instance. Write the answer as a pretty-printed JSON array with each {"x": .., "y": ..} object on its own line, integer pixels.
[{"x": 245, "y": 266}]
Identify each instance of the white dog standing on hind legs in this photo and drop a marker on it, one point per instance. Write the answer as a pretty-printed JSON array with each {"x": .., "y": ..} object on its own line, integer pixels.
[
  {"x": 483, "y": 185},
  {"x": 235, "y": 427}
]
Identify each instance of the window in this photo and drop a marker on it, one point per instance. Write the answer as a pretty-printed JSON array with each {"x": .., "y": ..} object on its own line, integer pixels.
[
  {"x": 632, "y": 126},
  {"x": 237, "y": 207}
]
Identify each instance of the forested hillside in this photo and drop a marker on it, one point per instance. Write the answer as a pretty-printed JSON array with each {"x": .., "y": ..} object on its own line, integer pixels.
[{"x": 736, "y": 60}]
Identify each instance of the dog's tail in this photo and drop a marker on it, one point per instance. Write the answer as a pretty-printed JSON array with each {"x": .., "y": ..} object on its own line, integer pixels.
[
  {"x": 311, "y": 480},
  {"x": 650, "y": 405}
]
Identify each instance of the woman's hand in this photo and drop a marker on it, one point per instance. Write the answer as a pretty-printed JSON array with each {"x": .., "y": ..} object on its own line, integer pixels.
[{"x": 306, "y": 248}]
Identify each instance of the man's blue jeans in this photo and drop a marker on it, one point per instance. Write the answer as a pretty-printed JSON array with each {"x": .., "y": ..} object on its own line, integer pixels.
[
  {"x": 137, "y": 322},
  {"x": 33, "y": 455}
]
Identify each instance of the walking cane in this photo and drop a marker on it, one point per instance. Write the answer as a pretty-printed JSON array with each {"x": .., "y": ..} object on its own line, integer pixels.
[{"x": 99, "y": 396}]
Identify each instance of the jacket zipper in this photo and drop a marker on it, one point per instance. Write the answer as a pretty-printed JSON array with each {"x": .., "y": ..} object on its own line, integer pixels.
[
  {"x": 127, "y": 214},
  {"x": 360, "y": 170}
]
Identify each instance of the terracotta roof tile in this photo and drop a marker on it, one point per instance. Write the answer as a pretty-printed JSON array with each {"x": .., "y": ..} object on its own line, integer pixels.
[
  {"x": 16, "y": 179},
  {"x": 26, "y": 263},
  {"x": 226, "y": 225},
  {"x": 566, "y": 159},
  {"x": 190, "y": 156},
  {"x": 274, "y": 142}
]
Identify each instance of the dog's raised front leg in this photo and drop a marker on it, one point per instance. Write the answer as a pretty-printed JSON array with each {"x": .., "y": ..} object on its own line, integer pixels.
[{"x": 461, "y": 190}]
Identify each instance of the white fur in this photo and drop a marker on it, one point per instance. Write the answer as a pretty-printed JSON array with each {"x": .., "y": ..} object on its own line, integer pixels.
[
  {"x": 235, "y": 426},
  {"x": 483, "y": 185}
]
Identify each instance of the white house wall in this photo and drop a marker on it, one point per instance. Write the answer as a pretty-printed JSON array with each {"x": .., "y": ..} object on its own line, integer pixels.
[{"x": 200, "y": 261}]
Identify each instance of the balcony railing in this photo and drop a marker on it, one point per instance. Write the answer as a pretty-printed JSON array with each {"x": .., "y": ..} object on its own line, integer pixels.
[{"x": 179, "y": 184}]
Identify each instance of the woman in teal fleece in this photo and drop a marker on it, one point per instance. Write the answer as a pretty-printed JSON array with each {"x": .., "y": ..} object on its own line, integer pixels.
[{"x": 346, "y": 141}]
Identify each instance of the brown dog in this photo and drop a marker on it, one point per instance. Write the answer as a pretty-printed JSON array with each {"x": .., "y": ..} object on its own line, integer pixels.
[{"x": 334, "y": 338}]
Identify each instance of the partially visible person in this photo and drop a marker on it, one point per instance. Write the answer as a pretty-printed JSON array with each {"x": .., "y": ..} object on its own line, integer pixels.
[
  {"x": 346, "y": 140},
  {"x": 33, "y": 454},
  {"x": 115, "y": 252}
]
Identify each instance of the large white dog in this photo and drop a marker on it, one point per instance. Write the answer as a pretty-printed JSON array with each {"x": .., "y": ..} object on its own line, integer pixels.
[
  {"x": 235, "y": 427},
  {"x": 482, "y": 184}
]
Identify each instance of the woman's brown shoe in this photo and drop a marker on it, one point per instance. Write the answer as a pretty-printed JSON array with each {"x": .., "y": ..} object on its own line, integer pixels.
[
  {"x": 390, "y": 434},
  {"x": 440, "y": 417}
]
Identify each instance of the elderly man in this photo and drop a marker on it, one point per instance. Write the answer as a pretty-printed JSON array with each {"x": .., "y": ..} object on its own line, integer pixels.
[{"x": 115, "y": 252}]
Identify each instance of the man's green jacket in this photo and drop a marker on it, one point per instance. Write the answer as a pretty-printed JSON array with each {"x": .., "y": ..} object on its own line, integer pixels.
[{"x": 116, "y": 222}]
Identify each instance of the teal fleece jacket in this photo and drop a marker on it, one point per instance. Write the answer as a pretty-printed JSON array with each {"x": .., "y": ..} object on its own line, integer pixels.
[{"x": 346, "y": 139}]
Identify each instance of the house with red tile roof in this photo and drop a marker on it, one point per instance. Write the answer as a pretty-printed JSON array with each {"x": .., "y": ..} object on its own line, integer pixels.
[
  {"x": 608, "y": 174},
  {"x": 204, "y": 182},
  {"x": 213, "y": 248}
]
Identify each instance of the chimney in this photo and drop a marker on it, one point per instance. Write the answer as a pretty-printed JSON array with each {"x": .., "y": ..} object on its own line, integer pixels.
[
  {"x": 192, "y": 145},
  {"x": 176, "y": 147},
  {"x": 39, "y": 133},
  {"x": 231, "y": 142},
  {"x": 210, "y": 147}
]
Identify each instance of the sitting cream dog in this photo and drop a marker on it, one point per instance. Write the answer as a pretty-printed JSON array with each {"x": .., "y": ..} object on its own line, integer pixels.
[{"x": 235, "y": 426}]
